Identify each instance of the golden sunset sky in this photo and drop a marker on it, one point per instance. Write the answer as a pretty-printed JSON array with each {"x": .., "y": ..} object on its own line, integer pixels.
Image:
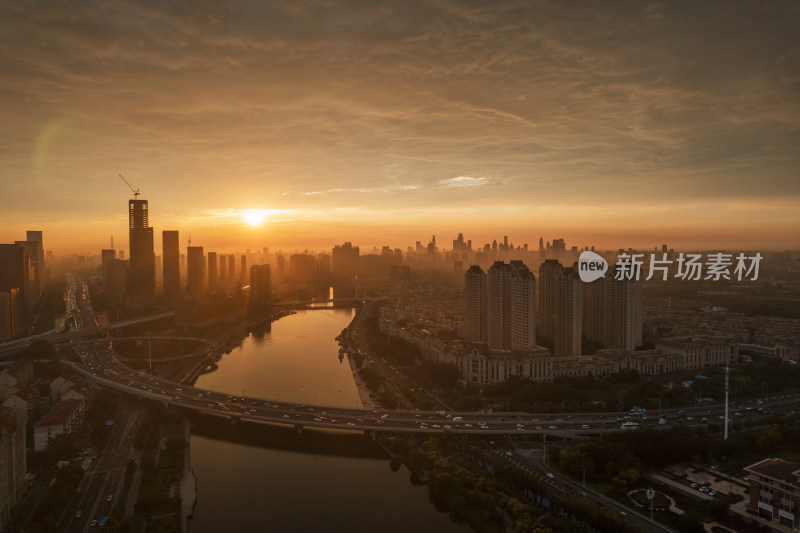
[{"x": 612, "y": 124}]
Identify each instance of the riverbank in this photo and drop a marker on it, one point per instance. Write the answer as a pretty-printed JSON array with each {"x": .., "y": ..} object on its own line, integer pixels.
[{"x": 363, "y": 390}]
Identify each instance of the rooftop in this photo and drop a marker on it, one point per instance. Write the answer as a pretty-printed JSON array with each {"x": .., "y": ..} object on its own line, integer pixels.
[
  {"x": 60, "y": 413},
  {"x": 779, "y": 469}
]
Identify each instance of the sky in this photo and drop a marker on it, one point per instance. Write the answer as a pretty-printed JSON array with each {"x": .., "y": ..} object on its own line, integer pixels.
[{"x": 299, "y": 124}]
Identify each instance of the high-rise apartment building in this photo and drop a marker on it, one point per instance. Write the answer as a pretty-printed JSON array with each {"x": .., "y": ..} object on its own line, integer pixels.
[
  {"x": 260, "y": 284},
  {"x": 302, "y": 268},
  {"x": 546, "y": 308},
  {"x": 213, "y": 280},
  {"x": 196, "y": 264},
  {"x": 243, "y": 272},
  {"x": 511, "y": 298},
  {"x": 475, "y": 305},
  {"x": 170, "y": 245},
  {"x": 568, "y": 314},
  {"x": 344, "y": 261},
  {"x": 612, "y": 312},
  {"x": 623, "y": 314},
  {"x": 594, "y": 310},
  {"x": 142, "y": 263}
]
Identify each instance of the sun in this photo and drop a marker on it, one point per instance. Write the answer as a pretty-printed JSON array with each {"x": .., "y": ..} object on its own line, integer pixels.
[{"x": 253, "y": 217}]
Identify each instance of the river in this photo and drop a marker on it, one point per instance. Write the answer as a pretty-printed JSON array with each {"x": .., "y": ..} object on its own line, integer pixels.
[{"x": 244, "y": 487}]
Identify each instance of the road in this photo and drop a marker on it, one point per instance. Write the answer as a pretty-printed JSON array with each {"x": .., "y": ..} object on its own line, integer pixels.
[{"x": 575, "y": 489}]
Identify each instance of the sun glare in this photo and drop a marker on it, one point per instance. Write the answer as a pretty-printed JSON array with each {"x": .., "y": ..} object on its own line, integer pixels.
[{"x": 253, "y": 217}]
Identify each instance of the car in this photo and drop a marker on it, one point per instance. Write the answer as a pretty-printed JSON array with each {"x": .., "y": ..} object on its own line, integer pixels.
[
  {"x": 552, "y": 427},
  {"x": 550, "y": 475},
  {"x": 662, "y": 421},
  {"x": 467, "y": 426},
  {"x": 109, "y": 497},
  {"x": 714, "y": 467},
  {"x": 703, "y": 489},
  {"x": 585, "y": 426},
  {"x": 285, "y": 416},
  {"x": 712, "y": 493},
  {"x": 93, "y": 523},
  {"x": 693, "y": 485},
  {"x": 78, "y": 514}
]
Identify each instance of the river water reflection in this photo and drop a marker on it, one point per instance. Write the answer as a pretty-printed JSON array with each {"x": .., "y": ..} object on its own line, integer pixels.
[{"x": 252, "y": 488}]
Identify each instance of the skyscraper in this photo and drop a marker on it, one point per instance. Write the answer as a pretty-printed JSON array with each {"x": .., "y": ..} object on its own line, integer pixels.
[
  {"x": 545, "y": 316},
  {"x": 106, "y": 255},
  {"x": 213, "y": 280},
  {"x": 260, "y": 284},
  {"x": 475, "y": 305},
  {"x": 36, "y": 236},
  {"x": 15, "y": 276},
  {"x": 223, "y": 272},
  {"x": 196, "y": 265},
  {"x": 142, "y": 265},
  {"x": 232, "y": 269},
  {"x": 31, "y": 291},
  {"x": 280, "y": 267},
  {"x": 568, "y": 314},
  {"x": 511, "y": 297},
  {"x": 243, "y": 272},
  {"x": 170, "y": 244}
]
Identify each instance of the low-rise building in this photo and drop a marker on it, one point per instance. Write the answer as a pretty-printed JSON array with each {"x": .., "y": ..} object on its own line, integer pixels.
[
  {"x": 8, "y": 384},
  {"x": 701, "y": 351},
  {"x": 775, "y": 491},
  {"x": 63, "y": 418}
]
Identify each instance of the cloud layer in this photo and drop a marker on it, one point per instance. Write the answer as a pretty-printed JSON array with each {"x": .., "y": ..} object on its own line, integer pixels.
[{"x": 392, "y": 107}]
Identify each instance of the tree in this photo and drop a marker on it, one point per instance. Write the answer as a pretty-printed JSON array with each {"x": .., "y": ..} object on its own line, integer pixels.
[{"x": 626, "y": 477}]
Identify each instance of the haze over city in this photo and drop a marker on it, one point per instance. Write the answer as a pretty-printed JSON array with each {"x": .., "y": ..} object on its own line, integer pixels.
[{"x": 300, "y": 125}]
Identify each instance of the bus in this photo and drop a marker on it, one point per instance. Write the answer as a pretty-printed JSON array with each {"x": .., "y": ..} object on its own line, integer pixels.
[{"x": 630, "y": 426}]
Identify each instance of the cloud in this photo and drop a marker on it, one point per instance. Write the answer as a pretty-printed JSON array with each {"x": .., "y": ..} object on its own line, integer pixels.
[
  {"x": 314, "y": 105},
  {"x": 465, "y": 181}
]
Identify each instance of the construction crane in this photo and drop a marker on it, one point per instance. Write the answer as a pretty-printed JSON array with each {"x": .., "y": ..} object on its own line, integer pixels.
[{"x": 135, "y": 191}]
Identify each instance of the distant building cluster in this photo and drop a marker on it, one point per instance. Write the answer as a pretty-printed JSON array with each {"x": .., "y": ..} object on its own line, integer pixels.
[{"x": 768, "y": 337}]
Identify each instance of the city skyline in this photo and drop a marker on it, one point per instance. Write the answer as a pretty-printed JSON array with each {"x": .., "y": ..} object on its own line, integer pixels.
[{"x": 621, "y": 126}]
